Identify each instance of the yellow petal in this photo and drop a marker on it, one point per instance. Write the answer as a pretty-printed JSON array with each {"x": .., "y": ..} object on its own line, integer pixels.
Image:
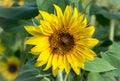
[
  {"x": 71, "y": 60},
  {"x": 41, "y": 45},
  {"x": 67, "y": 15},
  {"x": 42, "y": 30},
  {"x": 76, "y": 13},
  {"x": 80, "y": 63},
  {"x": 83, "y": 22},
  {"x": 58, "y": 10},
  {"x": 46, "y": 16},
  {"x": 89, "y": 42},
  {"x": 59, "y": 15},
  {"x": 68, "y": 56},
  {"x": 60, "y": 62},
  {"x": 73, "y": 63},
  {"x": 49, "y": 63},
  {"x": 80, "y": 18},
  {"x": 33, "y": 30},
  {"x": 76, "y": 69},
  {"x": 66, "y": 64},
  {"x": 55, "y": 61},
  {"x": 39, "y": 63},
  {"x": 44, "y": 55},
  {"x": 46, "y": 27},
  {"x": 76, "y": 24},
  {"x": 37, "y": 40},
  {"x": 88, "y": 54},
  {"x": 86, "y": 32},
  {"x": 43, "y": 58},
  {"x": 52, "y": 19},
  {"x": 55, "y": 72},
  {"x": 80, "y": 57},
  {"x": 37, "y": 50}
]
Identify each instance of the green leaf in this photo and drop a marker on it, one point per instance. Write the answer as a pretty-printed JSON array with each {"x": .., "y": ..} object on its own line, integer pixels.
[
  {"x": 102, "y": 20},
  {"x": 98, "y": 65},
  {"x": 115, "y": 47},
  {"x": 19, "y": 12},
  {"x": 72, "y": 76},
  {"x": 62, "y": 3},
  {"x": 93, "y": 76},
  {"x": 31, "y": 73},
  {"x": 113, "y": 57},
  {"x": 11, "y": 25},
  {"x": 45, "y": 5},
  {"x": 94, "y": 10},
  {"x": 45, "y": 79},
  {"x": 1, "y": 78}
]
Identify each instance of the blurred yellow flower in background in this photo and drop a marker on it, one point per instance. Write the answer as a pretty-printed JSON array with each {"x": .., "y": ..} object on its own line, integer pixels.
[
  {"x": 62, "y": 41},
  {"x": 21, "y": 2},
  {"x": 38, "y": 16},
  {"x": 9, "y": 68},
  {"x": 9, "y": 3},
  {"x": 2, "y": 48}
]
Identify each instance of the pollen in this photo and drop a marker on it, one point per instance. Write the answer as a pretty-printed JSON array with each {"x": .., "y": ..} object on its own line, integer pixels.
[{"x": 61, "y": 43}]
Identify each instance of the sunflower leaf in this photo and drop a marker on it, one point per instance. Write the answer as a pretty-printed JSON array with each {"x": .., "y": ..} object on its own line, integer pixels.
[
  {"x": 46, "y": 5},
  {"x": 98, "y": 65},
  {"x": 31, "y": 73},
  {"x": 11, "y": 25},
  {"x": 113, "y": 57},
  {"x": 94, "y": 76},
  {"x": 19, "y": 12},
  {"x": 94, "y": 10}
]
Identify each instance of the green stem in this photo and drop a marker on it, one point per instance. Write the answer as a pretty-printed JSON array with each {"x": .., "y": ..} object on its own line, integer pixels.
[
  {"x": 22, "y": 50},
  {"x": 112, "y": 28},
  {"x": 60, "y": 76},
  {"x": 65, "y": 79},
  {"x": 82, "y": 74},
  {"x": 93, "y": 19}
]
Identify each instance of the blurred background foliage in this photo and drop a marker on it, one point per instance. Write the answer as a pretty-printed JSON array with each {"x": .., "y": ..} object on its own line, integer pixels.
[{"x": 103, "y": 14}]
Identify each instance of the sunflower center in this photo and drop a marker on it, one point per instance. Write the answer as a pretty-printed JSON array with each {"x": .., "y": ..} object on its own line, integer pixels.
[
  {"x": 66, "y": 40},
  {"x": 61, "y": 43},
  {"x": 12, "y": 68}
]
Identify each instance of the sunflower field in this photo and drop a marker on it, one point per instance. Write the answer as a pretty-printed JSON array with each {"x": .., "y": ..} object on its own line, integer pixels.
[{"x": 59, "y": 40}]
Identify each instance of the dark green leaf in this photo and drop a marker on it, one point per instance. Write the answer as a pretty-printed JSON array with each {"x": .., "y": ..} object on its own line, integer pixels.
[
  {"x": 106, "y": 43},
  {"x": 102, "y": 20},
  {"x": 31, "y": 73},
  {"x": 10, "y": 25},
  {"x": 19, "y": 12},
  {"x": 99, "y": 10}
]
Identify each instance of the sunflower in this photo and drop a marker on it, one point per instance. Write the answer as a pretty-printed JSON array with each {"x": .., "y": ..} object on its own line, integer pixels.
[
  {"x": 9, "y": 69},
  {"x": 62, "y": 41}
]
